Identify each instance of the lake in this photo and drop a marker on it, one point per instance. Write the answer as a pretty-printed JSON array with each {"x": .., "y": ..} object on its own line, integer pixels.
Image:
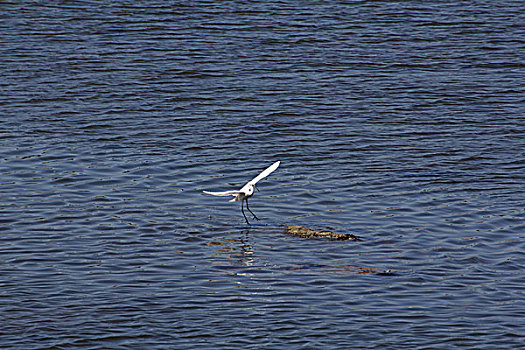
[{"x": 402, "y": 123}]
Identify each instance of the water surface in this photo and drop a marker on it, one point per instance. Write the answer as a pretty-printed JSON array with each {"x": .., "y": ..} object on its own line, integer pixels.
[{"x": 399, "y": 122}]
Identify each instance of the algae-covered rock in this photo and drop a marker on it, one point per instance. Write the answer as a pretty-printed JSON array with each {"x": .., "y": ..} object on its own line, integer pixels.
[{"x": 305, "y": 232}]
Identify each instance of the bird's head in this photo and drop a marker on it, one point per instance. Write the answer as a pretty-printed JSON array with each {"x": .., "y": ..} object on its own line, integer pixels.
[{"x": 251, "y": 189}]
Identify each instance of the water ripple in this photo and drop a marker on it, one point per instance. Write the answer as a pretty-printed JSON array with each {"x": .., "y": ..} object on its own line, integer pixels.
[{"x": 397, "y": 122}]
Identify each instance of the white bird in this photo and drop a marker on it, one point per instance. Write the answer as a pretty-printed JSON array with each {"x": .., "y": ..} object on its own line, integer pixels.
[{"x": 247, "y": 190}]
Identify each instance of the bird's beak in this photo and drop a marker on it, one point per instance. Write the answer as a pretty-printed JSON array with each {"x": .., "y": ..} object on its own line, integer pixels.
[{"x": 257, "y": 188}]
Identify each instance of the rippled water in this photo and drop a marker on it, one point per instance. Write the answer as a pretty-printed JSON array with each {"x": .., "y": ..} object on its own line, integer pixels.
[{"x": 400, "y": 122}]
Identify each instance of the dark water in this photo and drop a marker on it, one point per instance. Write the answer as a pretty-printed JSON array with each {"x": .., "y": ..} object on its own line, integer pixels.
[{"x": 400, "y": 122}]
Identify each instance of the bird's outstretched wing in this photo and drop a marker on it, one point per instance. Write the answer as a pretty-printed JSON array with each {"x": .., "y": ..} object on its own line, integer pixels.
[
  {"x": 223, "y": 194},
  {"x": 265, "y": 173}
]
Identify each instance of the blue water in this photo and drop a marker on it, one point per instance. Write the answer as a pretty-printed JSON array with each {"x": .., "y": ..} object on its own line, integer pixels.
[{"x": 400, "y": 122}]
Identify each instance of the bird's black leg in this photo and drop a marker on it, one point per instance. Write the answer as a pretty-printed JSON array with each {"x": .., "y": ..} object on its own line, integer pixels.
[
  {"x": 242, "y": 209},
  {"x": 254, "y": 216}
]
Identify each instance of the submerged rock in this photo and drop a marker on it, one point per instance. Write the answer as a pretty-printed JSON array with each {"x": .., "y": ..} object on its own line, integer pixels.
[{"x": 305, "y": 232}]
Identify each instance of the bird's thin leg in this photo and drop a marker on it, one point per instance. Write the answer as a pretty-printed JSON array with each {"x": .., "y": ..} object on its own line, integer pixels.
[
  {"x": 247, "y": 207},
  {"x": 242, "y": 209}
]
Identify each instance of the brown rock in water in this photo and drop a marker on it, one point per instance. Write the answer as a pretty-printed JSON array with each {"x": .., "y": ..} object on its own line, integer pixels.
[{"x": 305, "y": 232}]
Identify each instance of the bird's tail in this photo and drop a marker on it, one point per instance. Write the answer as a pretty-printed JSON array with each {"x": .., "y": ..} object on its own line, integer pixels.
[{"x": 237, "y": 198}]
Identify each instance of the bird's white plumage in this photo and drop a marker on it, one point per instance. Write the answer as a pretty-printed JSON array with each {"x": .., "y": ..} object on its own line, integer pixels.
[
  {"x": 265, "y": 173},
  {"x": 247, "y": 190},
  {"x": 223, "y": 194}
]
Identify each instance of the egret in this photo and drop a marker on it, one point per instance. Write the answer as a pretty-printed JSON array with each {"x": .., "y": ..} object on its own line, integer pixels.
[{"x": 247, "y": 190}]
